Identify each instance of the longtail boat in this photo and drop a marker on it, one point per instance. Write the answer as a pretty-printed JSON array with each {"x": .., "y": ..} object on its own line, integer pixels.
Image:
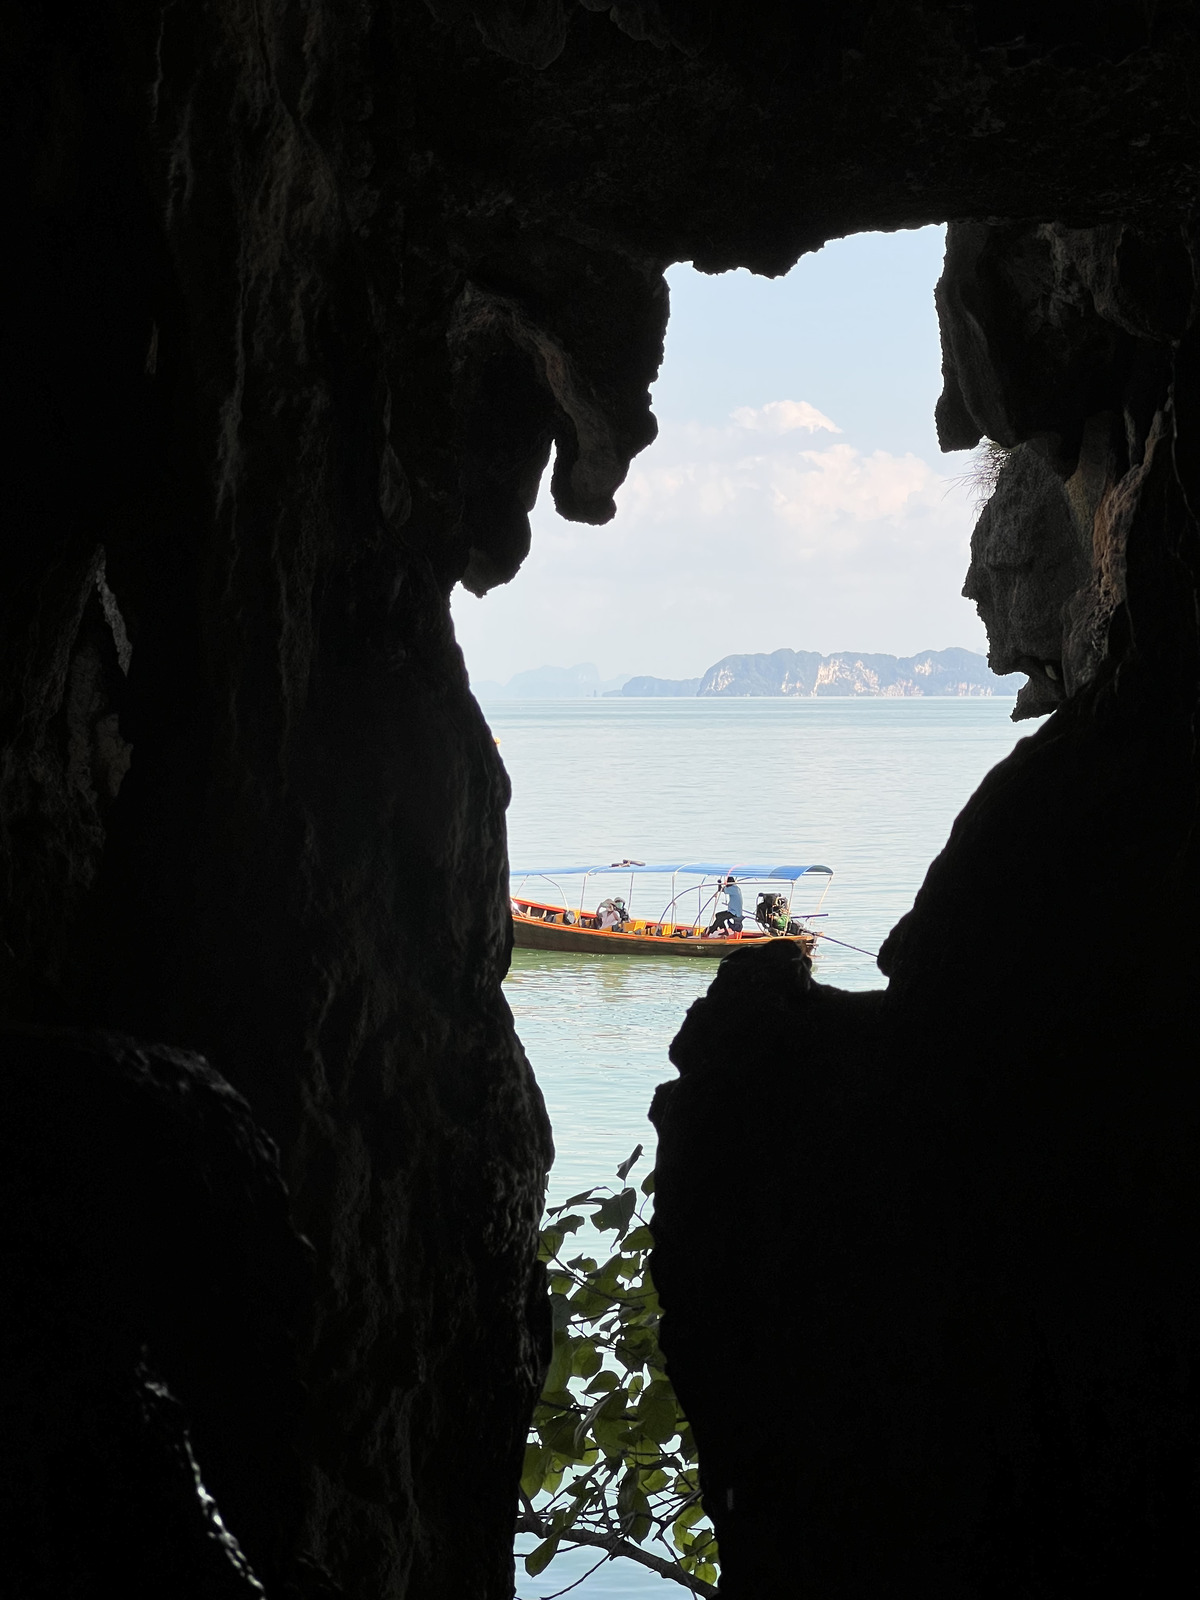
[{"x": 542, "y": 922}]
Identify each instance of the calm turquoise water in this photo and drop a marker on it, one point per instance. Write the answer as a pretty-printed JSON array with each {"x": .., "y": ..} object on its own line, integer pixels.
[{"x": 868, "y": 787}]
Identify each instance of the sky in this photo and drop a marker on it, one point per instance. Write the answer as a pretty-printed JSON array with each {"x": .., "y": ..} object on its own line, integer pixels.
[{"x": 795, "y": 496}]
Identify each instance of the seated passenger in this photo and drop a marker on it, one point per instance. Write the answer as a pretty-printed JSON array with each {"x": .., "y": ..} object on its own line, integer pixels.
[{"x": 611, "y": 914}]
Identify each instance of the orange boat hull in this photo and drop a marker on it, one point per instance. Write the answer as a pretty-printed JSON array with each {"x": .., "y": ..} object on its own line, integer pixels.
[{"x": 541, "y": 927}]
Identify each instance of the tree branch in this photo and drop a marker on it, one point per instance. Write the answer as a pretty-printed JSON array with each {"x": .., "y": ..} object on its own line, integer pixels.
[{"x": 616, "y": 1546}]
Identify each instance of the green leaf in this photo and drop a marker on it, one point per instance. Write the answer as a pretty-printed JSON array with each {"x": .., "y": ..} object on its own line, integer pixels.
[
  {"x": 603, "y": 1446},
  {"x": 560, "y": 1363},
  {"x": 559, "y": 1433},
  {"x": 538, "y": 1560},
  {"x": 549, "y": 1243},
  {"x": 634, "y": 1349},
  {"x": 537, "y": 1458},
  {"x": 633, "y": 1509},
  {"x": 687, "y": 1518},
  {"x": 615, "y": 1212},
  {"x": 627, "y": 1166},
  {"x": 554, "y": 1403},
  {"x": 575, "y": 1200},
  {"x": 612, "y": 1437},
  {"x": 609, "y": 1407},
  {"x": 590, "y": 1305},
  {"x": 605, "y": 1280},
  {"x": 586, "y": 1360},
  {"x": 645, "y": 1452},
  {"x": 658, "y": 1416}
]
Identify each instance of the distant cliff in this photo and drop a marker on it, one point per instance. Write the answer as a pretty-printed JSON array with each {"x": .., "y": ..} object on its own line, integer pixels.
[
  {"x": 581, "y": 682},
  {"x": 804, "y": 673},
  {"x": 655, "y": 688}
]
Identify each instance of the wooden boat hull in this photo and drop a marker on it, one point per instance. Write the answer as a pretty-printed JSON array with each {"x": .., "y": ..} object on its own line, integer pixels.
[{"x": 531, "y": 933}]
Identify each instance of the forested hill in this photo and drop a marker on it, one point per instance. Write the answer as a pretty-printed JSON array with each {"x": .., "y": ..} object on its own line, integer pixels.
[{"x": 804, "y": 673}]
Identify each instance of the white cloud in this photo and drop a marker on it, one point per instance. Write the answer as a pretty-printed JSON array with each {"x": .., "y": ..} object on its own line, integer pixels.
[
  {"x": 705, "y": 474},
  {"x": 739, "y": 536},
  {"x": 784, "y": 416}
]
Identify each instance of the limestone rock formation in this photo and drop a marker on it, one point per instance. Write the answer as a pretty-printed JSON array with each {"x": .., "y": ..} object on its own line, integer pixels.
[
  {"x": 643, "y": 688},
  {"x": 1029, "y": 559},
  {"x": 302, "y": 297},
  {"x": 805, "y": 673},
  {"x": 796, "y": 673}
]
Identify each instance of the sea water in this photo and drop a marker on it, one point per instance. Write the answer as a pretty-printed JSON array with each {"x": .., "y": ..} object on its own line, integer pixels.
[{"x": 869, "y": 787}]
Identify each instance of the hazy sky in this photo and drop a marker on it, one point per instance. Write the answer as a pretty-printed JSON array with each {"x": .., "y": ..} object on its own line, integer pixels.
[{"x": 795, "y": 495}]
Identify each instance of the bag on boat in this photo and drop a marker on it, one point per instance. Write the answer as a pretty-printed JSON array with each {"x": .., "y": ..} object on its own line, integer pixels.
[{"x": 771, "y": 913}]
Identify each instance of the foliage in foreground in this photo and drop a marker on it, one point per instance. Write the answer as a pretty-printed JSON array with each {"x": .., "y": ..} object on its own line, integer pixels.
[{"x": 611, "y": 1463}]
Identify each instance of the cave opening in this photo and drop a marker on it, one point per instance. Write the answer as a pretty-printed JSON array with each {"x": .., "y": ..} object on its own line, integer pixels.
[
  {"x": 305, "y": 296},
  {"x": 794, "y": 497}
]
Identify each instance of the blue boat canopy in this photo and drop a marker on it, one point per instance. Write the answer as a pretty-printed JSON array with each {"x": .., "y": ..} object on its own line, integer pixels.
[{"x": 704, "y": 869}]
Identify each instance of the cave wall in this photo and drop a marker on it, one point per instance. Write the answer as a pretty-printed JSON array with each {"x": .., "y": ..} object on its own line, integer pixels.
[{"x": 305, "y": 295}]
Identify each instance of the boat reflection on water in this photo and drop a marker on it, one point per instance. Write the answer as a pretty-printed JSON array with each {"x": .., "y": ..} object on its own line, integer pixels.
[{"x": 610, "y": 927}]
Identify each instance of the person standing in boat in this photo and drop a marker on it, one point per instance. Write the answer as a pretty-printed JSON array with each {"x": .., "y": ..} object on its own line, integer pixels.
[{"x": 729, "y": 918}]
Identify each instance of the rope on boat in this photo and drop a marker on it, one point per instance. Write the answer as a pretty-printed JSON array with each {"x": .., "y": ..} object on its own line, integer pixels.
[{"x": 817, "y": 934}]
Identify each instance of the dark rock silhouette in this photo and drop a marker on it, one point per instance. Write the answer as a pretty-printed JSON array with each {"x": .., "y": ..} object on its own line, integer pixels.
[
  {"x": 302, "y": 298},
  {"x": 972, "y": 1201},
  {"x": 153, "y": 1290}
]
